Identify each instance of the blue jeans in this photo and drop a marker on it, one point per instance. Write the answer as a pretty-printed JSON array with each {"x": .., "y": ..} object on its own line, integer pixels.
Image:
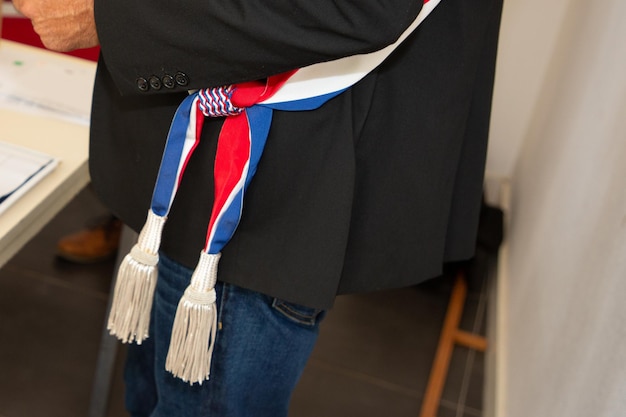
[{"x": 262, "y": 346}]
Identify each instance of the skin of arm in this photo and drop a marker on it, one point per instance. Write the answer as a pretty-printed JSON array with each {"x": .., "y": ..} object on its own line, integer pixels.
[{"x": 62, "y": 25}]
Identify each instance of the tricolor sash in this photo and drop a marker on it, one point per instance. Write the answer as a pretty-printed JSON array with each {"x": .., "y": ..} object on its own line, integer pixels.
[{"x": 247, "y": 109}]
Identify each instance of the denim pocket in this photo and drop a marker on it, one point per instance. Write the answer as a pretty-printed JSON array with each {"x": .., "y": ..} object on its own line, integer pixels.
[{"x": 297, "y": 313}]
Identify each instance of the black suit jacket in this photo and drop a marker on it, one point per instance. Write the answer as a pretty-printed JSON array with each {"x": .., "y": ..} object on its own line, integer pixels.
[{"x": 376, "y": 189}]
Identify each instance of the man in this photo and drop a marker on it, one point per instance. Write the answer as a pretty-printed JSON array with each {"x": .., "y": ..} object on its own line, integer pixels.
[{"x": 375, "y": 189}]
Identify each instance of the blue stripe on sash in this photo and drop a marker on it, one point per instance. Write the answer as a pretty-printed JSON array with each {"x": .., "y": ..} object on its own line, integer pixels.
[{"x": 166, "y": 181}]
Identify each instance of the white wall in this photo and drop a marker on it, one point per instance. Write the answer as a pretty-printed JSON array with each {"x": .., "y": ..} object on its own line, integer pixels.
[
  {"x": 528, "y": 38},
  {"x": 563, "y": 110}
]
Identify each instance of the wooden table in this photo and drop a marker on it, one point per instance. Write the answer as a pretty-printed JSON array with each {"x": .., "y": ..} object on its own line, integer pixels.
[
  {"x": 69, "y": 142},
  {"x": 66, "y": 140}
]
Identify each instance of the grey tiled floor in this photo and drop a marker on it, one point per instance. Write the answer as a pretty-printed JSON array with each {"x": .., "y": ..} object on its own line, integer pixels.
[{"x": 373, "y": 356}]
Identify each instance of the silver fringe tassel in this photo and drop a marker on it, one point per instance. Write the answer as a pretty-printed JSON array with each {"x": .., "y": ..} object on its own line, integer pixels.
[
  {"x": 195, "y": 325},
  {"x": 129, "y": 318}
]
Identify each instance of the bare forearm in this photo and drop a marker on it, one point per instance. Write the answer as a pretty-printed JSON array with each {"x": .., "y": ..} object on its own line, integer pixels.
[{"x": 62, "y": 25}]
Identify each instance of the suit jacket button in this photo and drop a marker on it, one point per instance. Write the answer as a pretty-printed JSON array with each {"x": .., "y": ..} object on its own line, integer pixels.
[
  {"x": 155, "y": 82},
  {"x": 168, "y": 81},
  {"x": 142, "y": 84},
  {"x": 181, "y": 79}
]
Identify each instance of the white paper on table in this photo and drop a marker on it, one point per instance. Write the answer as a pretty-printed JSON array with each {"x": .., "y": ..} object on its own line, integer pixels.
[
  {"x": 20, "y": 169},
  {"x": 45, "y": 84}
]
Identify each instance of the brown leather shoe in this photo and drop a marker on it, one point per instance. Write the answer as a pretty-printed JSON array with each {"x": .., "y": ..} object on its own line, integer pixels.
[{"x": 93, "y": 244}]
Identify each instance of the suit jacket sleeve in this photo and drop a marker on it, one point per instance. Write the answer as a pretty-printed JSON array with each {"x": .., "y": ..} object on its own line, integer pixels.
[{"x": 217, "y": 43}]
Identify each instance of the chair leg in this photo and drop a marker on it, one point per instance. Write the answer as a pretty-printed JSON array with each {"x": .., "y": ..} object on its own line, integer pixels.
[
  {"x": 105, "y": 364},
  {"x": 450, "y": 335}
]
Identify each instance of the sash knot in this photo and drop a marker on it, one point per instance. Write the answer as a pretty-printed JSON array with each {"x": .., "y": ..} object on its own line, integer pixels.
[{"x": 216, "y": 102}]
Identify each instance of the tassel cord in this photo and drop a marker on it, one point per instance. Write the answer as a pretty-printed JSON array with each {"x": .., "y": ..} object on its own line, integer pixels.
[{"x": 204, "y": 277}]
